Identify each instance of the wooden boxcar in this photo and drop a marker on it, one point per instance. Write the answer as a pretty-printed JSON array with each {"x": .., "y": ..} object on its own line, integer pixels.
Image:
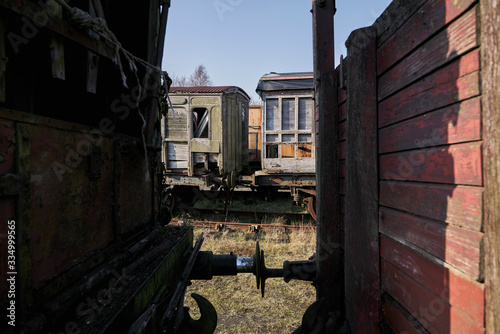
[
  {"x": 408, "y": 172},
  {"x": 205, "y": 134},
  {"x": 80, "y": 177}
]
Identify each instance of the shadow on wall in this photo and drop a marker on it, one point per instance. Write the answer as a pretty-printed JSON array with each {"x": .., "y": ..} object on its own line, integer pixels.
[{"x": 430, "y": 170}]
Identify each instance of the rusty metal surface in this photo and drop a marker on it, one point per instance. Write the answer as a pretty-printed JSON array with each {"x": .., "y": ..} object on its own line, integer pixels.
[{"x": 285, "y": 180}]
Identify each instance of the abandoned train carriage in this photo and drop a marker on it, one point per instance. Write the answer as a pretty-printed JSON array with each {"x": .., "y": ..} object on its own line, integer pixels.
[
  {"x": 205, "y": 134},
  {"x": 207, "y": 138},
  {"x": 408, "y": 168},
  {"x": 80, "y": 177}
]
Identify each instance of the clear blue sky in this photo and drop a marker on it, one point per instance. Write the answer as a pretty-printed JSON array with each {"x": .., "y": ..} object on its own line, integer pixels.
[{"x": 240, "y": 40}]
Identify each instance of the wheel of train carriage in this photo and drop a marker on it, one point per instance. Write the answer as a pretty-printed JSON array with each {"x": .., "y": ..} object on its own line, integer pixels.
[
  {"x": 181, "y": 198},
  {"x": 232, "y": 180}
]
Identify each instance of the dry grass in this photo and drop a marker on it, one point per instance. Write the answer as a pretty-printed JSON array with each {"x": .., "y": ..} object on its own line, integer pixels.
[{"x": 239, "y": 305}]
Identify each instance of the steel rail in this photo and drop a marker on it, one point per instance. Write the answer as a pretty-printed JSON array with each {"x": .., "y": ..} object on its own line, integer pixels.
[{"x": 244, "y": 226}]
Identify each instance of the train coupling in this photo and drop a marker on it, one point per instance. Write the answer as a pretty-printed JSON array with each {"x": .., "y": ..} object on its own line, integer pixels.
[
  {"x": 204, "y": 266},
  {"x": 209, "y": 265}
]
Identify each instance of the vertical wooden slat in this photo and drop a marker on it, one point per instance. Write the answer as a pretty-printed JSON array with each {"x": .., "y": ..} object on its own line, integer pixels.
[
  {"x": 490, "y": 55},
  {"x": 361, "y": 222},
  {"x": 92, "y": 58},
  {"x": 329, "y": 253},
  {"x": 57, "y": 50}
]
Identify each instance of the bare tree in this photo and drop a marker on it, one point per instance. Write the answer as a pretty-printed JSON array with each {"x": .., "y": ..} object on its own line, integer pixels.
[
  {"x": 199, "y": 77},
  {"x": 179, "y": 81}
]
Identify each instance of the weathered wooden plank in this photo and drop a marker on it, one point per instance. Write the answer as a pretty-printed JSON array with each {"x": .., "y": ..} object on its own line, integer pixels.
[
  {"x": 342, "y": 129},
  {"x": 177, "y": 151},
  {"x": 399, "y": 322},
  {"x": 429, "y": 19},
  {"x": 171, "y": 164},
  {"x": 464, "y": 294},
  {"x": 457, "y": 205},
  {"x": 456, "y": 246},
  {"x": 457, "y": 39},
  {"x": 342, "y": 111},
  {"x": 342, "y": 150},
  {"x": 453, "y": 164},
  {"x": 342, "y": 204},
  {"x": 362, "y": 275},
  {"x": 457, "y": 123},
  {"x": 330, "y": 262},
  {"x": 436, "y": 315},
  {"x": 455, "y": 82},
  {"x": 395, "y": 15},
  {"x": 342, "y": 94},
  {"x": 490, "y": 78}
]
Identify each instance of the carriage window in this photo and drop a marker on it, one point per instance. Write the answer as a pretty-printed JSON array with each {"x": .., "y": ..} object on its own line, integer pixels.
[
  {"x": 271, "y": 149},
  {"x": 200, "y": 123},
  {"x": 288, "y": 114},
  {"x": 305, "y": 113},
  {"x": 272, "y": 114}
]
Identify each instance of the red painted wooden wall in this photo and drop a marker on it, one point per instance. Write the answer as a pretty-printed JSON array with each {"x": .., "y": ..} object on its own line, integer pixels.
[{"x": 430, "y": 173}]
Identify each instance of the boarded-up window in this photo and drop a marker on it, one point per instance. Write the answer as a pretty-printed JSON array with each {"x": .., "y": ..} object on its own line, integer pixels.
[
  {"x": 272, "y": 114},
  {"x": 305, "y": 113},
  {"x": 288, "y": 114},
  {"x": 176, "y": 124}
]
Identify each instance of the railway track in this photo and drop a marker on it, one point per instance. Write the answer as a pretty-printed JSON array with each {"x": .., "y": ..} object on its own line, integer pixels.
[
  {"x": 244, "y": 226},
  {"x": 292, "y": 215}
]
